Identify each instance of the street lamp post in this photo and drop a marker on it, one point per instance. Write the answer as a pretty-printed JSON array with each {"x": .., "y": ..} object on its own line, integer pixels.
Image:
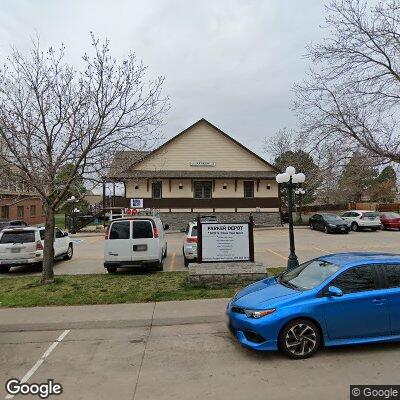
[
  {"x": 72, "y": 200},
  {"x": 291, "y": 179},
  {"x": 300, "y": 193}
]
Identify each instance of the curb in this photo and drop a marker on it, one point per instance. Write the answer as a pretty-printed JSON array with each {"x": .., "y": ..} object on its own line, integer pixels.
[{"x": 202, "y": 319}]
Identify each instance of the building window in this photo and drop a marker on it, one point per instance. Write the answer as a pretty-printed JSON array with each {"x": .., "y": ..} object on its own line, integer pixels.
[
  {"x": 5, "y": 212},
  {"x": 136, "y": 187},
  {"x": 156, "y": 188},
  {"x": 203, "y": 190},
  {"x": 248, "y": 189},
  {"x": 33, "y": 211},
  {"x": 268, "y": 187},
  {"x": 20, "y": 211}
]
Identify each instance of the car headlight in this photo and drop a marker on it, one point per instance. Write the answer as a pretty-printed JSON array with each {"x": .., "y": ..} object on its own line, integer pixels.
[
  {"x": 332, "y": 226},
  {"x": 258, "y": 313}
]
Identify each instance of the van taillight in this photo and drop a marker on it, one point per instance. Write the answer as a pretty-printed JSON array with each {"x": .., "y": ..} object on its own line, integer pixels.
[
  {"x": 107, "y": 230},
  {"x": 192, "y": 239},
  {"x": 155, "y": 232},
  {"x": 39, "y": 245}
]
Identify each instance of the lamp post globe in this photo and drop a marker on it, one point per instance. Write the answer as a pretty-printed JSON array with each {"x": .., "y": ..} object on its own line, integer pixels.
[{"x": 290, "y": 170}]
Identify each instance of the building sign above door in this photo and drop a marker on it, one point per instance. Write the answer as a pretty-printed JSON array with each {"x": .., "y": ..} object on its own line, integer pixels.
[{"x": 202, "y": 163}]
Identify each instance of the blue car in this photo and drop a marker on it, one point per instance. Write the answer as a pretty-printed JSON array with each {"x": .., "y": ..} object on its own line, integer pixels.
[{"x": 337, "y": 299}]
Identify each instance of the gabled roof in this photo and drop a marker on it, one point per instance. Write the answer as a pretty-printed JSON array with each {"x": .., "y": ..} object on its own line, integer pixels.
[
  {"x": 124, "y": 159},
  {"x": 136, "y": 160}
]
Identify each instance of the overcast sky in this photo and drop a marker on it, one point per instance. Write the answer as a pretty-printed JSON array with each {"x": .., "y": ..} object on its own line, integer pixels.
[{"x": 231, "y": 62}]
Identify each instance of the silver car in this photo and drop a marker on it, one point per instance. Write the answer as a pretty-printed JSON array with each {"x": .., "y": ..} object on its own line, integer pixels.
[{"x": 190, "y": 244}]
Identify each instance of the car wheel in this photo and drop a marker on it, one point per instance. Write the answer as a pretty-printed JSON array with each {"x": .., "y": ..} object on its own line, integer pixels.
[
  {"x": 312, "y": 226},
  {"x": 326, "y": 229},
  {"x": 70, "y": 253},
  {"x": 112, "y": 270},
  {"x": 160, "y": 266},
  {"x": 185, "y": 261},
  {"x": 354, "y": 227},
  {"x": 4, "y": 269},
  {"x": 300, "y": 339}
]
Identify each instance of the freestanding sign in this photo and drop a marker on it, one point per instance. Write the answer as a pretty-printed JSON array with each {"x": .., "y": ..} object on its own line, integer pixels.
[{"x": 220, "y": 242}]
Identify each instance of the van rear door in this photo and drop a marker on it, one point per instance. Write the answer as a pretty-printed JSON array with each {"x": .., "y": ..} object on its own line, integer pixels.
[
  {"x": 17, "y": 244},
  {"x": 145, "y": 247},
  {"x": 118, "y": 245}
]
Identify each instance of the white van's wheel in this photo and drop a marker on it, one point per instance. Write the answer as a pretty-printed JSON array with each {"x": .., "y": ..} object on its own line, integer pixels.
[
  {"x": 112, "y": 270},
  {"x": 165, "y": 252},
  {"x": 4, "y": 269},
  {"x": 160, "y": 266}
]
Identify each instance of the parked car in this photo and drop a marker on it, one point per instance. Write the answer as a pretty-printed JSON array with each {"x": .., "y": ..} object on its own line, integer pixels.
[
  {"x": 390, "y": 220},
  {"x": 337, "y": 299},
  {"x": 207, "y": 218},
  {"x": 24, "y": 246},
  {"x": 189, "y": 248},
  {"x": 362, "y": 219},
  {"x": 328, "y": 223},
  {"x": 135, "y": 241},
  {"x": 13, "y": 223}
]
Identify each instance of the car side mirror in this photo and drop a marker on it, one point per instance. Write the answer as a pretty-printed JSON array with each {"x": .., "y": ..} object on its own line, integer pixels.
[
  {"x": 166, "y": 227},
  {"x": 66, "y": 234},
  {"x": 334, "y": 291}
]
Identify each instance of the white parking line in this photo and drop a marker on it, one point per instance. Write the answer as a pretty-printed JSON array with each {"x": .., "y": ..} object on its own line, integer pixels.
[{"x": 41, "y": 360}]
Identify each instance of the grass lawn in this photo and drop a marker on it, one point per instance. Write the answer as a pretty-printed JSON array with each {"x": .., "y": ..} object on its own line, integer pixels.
[
  {"x": 106, "y": 289},
  {"x": 60, "y": 221}
]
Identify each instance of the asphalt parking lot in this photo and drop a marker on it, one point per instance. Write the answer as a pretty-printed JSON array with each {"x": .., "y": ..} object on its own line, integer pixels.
[
  {"x": 271, "y": 248},
  {"x": 158, "y": 357}
]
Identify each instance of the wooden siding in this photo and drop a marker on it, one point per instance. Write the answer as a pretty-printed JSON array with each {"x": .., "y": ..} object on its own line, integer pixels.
[{"x": 202, "y": 143}]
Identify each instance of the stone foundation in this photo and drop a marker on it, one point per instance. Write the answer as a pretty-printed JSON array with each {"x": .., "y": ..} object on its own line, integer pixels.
[
  {"x": 178, "y": 221},
  {"x": 223, "y": 274}
]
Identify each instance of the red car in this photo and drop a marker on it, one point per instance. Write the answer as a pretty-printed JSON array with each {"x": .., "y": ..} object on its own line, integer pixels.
[{"x": 390, "y": 220}]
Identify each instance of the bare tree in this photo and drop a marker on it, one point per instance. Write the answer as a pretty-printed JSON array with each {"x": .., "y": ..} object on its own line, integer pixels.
[
  {"x": 52, "y": 115},
  {"x": 351, "y": 98}
]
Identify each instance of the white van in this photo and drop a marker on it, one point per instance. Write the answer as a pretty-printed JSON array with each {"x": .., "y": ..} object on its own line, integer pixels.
[{"x": 135, "y": 241}]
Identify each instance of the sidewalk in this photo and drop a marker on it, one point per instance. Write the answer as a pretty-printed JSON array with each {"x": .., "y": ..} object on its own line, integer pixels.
[{"x": 113, "y": 315}]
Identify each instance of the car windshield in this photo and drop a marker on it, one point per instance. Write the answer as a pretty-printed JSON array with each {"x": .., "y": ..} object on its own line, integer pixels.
[
  {"x": 308, "y": 275},
  {"x": 333, "y": 218}
]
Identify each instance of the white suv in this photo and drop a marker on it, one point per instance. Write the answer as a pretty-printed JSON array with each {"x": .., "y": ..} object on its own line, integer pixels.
[
  {"x": 361, "y": 219},
  {"x": 135, "y": 241},
  {"x": 23, "y": 246},
  {"x": 190, "y": 244}
]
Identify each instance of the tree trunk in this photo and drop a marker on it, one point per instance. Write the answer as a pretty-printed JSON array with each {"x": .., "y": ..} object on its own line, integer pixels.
[{"x": 48, "y": 251}]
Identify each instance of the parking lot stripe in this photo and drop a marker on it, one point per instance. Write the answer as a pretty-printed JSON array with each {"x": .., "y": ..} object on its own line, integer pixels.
[
  {"x": 172, "y": 262},
  {"x": 277, "y": 254},
  {"x": 41, "y": 360},
  {"x": 317, "y": 248}
]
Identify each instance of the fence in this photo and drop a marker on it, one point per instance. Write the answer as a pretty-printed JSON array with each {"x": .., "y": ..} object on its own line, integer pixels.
[{"x": 352, "y": 206}]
